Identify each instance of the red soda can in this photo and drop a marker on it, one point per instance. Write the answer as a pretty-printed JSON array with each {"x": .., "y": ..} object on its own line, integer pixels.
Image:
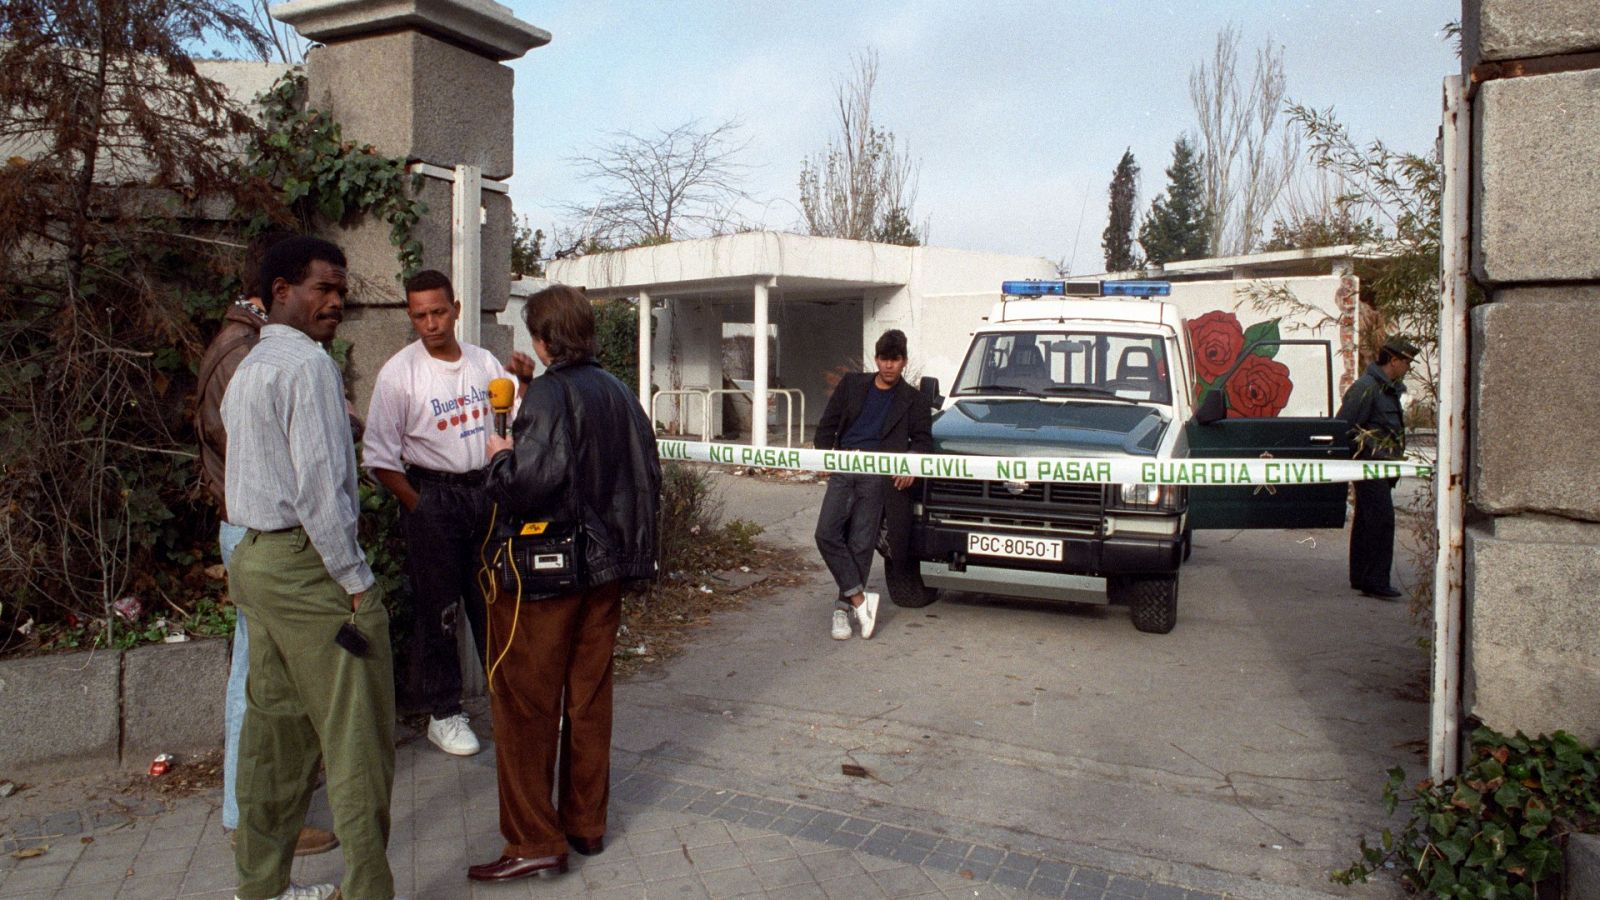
[{"x": 161, "y": 764}]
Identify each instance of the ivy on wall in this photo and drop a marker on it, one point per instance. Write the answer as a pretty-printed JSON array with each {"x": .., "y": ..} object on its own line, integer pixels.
[{"x": 321, "y": 179}]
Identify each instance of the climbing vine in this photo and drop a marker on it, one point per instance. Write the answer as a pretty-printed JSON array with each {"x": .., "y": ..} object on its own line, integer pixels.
[{"x": 319, "y": 178}]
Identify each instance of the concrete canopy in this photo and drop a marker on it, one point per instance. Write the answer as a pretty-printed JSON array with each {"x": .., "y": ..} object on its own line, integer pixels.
[
  {"x": 728, "y": 265},
  {"x": 834, "y": 297}
]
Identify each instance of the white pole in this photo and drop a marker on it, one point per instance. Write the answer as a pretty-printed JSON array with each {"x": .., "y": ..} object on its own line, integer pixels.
[
  {"x": 758, "y": 403},
  {"x": 466, "y": 251},
  {"x": 1444, "y": 739},
  {"x": 644, "y": 352}
]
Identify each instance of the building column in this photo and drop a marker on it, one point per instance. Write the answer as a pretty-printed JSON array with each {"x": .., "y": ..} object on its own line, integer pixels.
[
  {"x": 466, "y": 251},
  {"x": 644, "y": 353},
  {"x": 1532, "y": 552},
  {"x": 758, "y": 403},
  {"x": 377, "y": 70}
]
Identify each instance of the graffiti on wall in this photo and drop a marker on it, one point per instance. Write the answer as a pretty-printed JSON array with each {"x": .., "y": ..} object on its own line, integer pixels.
[{"x": 1260, "y": 386}]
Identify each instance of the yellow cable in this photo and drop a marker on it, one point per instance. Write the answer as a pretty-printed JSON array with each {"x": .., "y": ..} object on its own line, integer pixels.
[
  {"x": 487, "y": 573},
  {"x": 516, "y": 613}
]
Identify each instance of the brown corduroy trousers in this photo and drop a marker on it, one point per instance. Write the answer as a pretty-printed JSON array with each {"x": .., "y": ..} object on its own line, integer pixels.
[{"x": 547, "y": 657}]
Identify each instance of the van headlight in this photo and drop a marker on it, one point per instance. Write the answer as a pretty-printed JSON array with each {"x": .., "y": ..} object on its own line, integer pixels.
[
  {"x": 1140, "y": 495},
  {"x": 1154, "y": 497}
]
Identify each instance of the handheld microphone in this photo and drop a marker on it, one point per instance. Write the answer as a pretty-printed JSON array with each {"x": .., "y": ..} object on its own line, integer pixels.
[{"x": 501, "y": 393}]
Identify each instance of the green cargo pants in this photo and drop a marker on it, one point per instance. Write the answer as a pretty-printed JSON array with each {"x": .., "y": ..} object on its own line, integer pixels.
[{"x": 307, "y": 697}]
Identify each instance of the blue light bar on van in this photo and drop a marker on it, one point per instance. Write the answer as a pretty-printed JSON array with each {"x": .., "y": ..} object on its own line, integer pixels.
[
  {"x": 1036, "y": 288},
  {"x": 1136, "y": 288},
  {"x": 1032, "y": 288}
]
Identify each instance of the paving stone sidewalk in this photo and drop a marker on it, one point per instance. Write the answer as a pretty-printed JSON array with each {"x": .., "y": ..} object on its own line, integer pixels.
[{"x": 667, "y": 839}]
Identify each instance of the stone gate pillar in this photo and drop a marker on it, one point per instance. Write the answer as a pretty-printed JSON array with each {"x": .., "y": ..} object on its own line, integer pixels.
[
  {"x": 1533, "y": 542},
  {"x": 422, "y": 80}
]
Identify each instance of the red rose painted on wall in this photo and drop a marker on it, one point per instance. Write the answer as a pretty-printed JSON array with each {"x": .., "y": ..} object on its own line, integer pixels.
[
  {"x": 1259, "y": 388},
  {"x": 1217, "y": 339}
]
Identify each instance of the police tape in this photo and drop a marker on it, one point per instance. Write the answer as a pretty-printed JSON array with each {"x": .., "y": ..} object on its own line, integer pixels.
[{"x": 1056, "y": 469}]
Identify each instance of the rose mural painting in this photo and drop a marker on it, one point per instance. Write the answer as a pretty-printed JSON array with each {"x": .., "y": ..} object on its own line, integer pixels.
[{"x": 1262, "y": 386}]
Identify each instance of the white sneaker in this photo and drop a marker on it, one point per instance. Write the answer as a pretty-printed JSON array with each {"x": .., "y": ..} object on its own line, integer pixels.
[
  {"x": 841, "y": 625},
  {"x": 453, "y": 735},
  {"x": 867, "y": 614},
  {"x": 305, "y": 892}
]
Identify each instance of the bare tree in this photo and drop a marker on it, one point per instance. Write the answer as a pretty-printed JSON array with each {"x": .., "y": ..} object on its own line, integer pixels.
[
  {"x": 1248, "y": 156},
  {"x": 676, "y": 183},
  {"x": 863, "y": 186},
  {"x": 1320, "y": 209},
  {"x": 112, "y": 135},
  {"x": 286, "y": 44}
]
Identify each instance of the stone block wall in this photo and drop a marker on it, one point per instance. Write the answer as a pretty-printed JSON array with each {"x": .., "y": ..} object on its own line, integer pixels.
[
  {"x": 1533, "y": 648},
  {"x": 424, "y": 99},
  {"x": 58, "y": 708},
  {"x": 412, "y": 95},
  {"x": 1533, "y": 550},
  {"x": 172, "y": 698},
  {"x": 1538, "y": 177},
  {"x": 98, "y": 710},
  {"x": 1498, "y": 30}
]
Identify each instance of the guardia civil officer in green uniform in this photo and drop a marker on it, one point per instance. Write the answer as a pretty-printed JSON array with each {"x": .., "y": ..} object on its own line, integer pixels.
[{"x": 1377, "y": 423}]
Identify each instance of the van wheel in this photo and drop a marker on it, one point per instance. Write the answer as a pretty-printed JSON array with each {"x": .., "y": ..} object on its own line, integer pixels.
[
  {"x": 1154, "y": 604},
  {"x": 905, "y": 585}
]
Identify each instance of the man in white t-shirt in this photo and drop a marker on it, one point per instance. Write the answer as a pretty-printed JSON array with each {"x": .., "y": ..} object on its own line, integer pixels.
[{"x": 426, "y": 429}]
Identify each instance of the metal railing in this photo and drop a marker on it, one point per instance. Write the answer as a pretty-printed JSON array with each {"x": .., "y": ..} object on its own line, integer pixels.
[
  {"x": 788, "y": 395},
  {"x": 705, "y": 408}
]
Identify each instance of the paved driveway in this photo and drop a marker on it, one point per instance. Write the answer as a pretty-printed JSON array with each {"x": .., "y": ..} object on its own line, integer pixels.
[
  {"x": 1242, "y": 753},
  {"x": 1010, "y": 749}
]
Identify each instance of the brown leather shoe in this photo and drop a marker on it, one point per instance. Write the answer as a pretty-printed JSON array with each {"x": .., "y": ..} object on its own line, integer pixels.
[
  {"x": 314, "y": 840},
  {"x": 587, "y": 846},
  {"x": 507, "y": 868}
]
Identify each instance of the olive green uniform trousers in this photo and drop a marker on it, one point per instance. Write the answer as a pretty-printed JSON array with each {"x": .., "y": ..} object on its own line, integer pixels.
[{"x": 308, "y": 698}]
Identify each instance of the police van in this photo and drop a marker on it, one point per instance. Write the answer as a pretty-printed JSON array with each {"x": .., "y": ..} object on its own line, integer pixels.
[{"x": 1105, "y": 370}]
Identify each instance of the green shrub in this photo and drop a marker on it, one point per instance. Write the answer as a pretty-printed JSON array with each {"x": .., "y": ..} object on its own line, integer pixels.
[
  {"x": 690, "y": 512},
  {"x": 741, "y": 535},
  {"x": 616, "y": 330},
  {"x": 1497, "y": 828}
]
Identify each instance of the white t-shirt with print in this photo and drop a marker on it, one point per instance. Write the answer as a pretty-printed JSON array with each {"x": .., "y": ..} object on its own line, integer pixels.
[{"x": 431, "y": 413}]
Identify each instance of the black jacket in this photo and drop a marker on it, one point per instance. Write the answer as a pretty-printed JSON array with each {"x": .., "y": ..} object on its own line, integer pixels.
[
  {"x": 1372, "y": 410},
  {"x": 908, "y": 427},
  {"x": 604, "y": 462}
]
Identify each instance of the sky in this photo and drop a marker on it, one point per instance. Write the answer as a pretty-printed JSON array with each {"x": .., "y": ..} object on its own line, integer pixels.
[{"x": 1017, "y": 111}]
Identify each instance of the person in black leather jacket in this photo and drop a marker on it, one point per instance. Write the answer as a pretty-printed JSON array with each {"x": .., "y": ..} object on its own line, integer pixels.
[{"x": 581, "y": 450}]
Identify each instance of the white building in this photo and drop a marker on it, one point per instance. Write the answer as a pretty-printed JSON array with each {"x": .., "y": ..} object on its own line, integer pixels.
[{"x": 822, "y": 301}]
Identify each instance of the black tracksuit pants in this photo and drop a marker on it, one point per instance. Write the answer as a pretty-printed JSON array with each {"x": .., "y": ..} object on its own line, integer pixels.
[{"x": 444, "y": 535}]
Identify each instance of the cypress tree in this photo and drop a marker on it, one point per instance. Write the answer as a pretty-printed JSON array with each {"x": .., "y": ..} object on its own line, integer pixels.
[
  {"x": 1178, "y": 225},
  {"x": 1117, "y": 241}
]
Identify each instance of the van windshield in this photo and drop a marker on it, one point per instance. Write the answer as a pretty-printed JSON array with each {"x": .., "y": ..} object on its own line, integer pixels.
[{"x": 1044, "y": 363}]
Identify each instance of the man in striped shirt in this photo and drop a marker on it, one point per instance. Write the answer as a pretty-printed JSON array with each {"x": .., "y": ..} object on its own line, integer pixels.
[{"x": 321, "y": 680}]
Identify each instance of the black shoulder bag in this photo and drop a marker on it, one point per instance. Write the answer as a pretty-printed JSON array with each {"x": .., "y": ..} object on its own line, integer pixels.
[{"x": 540, "y": 559}]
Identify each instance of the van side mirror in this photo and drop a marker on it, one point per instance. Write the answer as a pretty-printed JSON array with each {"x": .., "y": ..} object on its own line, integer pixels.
[
  {"x": 930, "y": 391},
  {"x": 1212, "y": 408}
]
